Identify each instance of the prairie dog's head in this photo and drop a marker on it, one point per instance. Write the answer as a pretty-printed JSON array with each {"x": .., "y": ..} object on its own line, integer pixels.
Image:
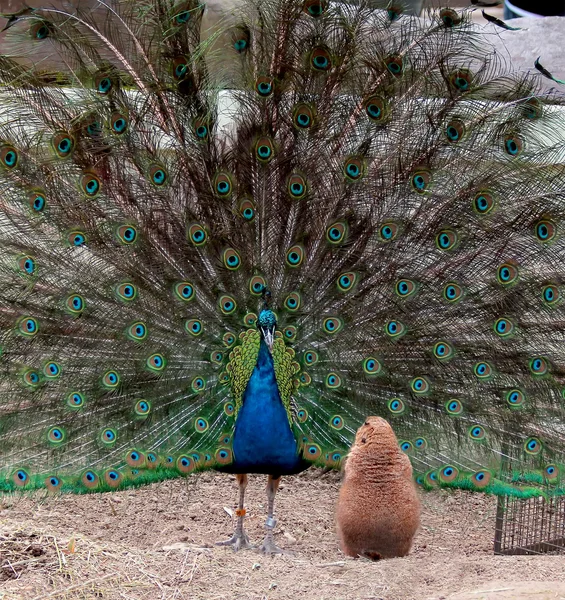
[{"x": 376, "y": 433}]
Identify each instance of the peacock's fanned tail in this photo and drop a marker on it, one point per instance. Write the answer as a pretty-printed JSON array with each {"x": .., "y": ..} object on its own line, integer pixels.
[{"x": 399, "y": 194}]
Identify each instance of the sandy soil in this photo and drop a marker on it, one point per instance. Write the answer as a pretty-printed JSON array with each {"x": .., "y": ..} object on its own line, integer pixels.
[{"x": 158, "y": 543}]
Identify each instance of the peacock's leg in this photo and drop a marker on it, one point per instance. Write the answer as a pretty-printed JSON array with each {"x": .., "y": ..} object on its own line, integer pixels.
[
  {"x": 239, "y": 539},
  {"x": 268, "y": 546}
]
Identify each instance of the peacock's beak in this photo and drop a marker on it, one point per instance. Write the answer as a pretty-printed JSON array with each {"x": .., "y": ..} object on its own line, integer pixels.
[{"x": 268, "y": 336}]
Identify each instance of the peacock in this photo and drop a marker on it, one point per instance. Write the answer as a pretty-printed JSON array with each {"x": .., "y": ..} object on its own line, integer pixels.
[{"x": 225, "y": 252}]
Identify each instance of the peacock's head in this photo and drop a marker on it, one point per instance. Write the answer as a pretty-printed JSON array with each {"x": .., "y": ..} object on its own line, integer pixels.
[{"x": 267, "y": 323}]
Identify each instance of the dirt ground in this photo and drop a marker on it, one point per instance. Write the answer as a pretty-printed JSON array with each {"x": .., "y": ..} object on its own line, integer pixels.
[{"x": 158, "y": 543}]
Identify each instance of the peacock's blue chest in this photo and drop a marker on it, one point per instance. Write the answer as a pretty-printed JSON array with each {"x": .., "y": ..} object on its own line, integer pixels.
[{"x": 263, "y": 440}]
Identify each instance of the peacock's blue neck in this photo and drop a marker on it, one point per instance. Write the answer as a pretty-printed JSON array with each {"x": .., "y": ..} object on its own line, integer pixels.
[{"x": 263, "y": 441}]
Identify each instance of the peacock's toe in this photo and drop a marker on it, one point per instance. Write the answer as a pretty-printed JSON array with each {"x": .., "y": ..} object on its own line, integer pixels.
[{"x": 239, "y": 541}]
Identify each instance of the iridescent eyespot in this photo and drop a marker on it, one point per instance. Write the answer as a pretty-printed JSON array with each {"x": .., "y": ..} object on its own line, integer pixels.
[
  {"x": 250, "y": 319},
  {"x": 551, "y": 472},
  {"x": 93, "y": 128},
  {"x": 158, "y": 175},
  {"x": 227, "y": 304},
  {"x": 420, "y": 443},
  {"x": 483, "y": 370},
  {"x": 126, "y": 234},
  {"x": 156, "y": 362},
  {"x": 289, "y": 333},
  {"x": 450, "y": 17},
  {"x": 454, "y": 407},
  {"x": 371, "y": 366},
  {"x": 142, "y": 408},
  {"x": 454, "y": 131},
  {"x": 264, "y": 86},
  {"x": 551, "y": 294},
  {"x": 347, "y": 281},
  {"x": 63, "y": 144},
  {"x": 388, "y": 232},
  {"x": 405, "y": 288},
  {"x": 483, "y": 202},
  {"x": 103, "y": 83},
  {"x": 337, "y": 232},
  {"x": 223, "y": 456},
  {"x": 75, "y": 400},
  {"x": 20, "y": 478},
  {"x": 56, "y": 435},
  {"x": 247, "y": 209},
  {"x": 118, "y": 123},
  {"x": 302, "y": 415},
  {"x": 194, "y": 327},
  {"x": 26, "y": 264},
  {"x": 264, "y": 149},
  {"x": 184, "y": 291},
  {"x": 295, "y": 256},
  {"x": 461, "y": 80},
  {"x": 31, "y": 378},
  {"x": 201, "y": 425},
  {"x": 53, "y": 484},
  {"x": 312, "y": 452},
  {"x": 406, "y": 446},
  {"x": 74, "y": 304},
  {"x": 137, "y": 331},
  {"x": 232, "y": 260},
  {"x": 394, "y": 64},
  {"x": 448, "y": 474},
  {"x": 217, "y": 357},
  {"x": 76, "y": 238},
  {"x": 296, "y": 186},
  {"x": 396, "y": 406},
  {"x": 37, "y": 201},
  {"x": 257, "y": 285},
  {"x": 201, "y": 128},
  {"x": 515, "y": 398},
  {"x": 305, "y": 379},
  {"x": 223, "y": 184},
  {"x": 513, "y": 145},
  {"x": 481, "y": 479},
  {"x": 135, "y": 458},
  {"x": 108, "y": 436},
  {"x": 545, "y": 231},
  {"x": 532, "y": 108},
  {"x": 533, "y": 445},
  {"x": 180, "y": 67},
  {"x": 395, "y": 328},
  {"x": 320, "y": 59},
  {"x": 292, "y": 302},
  {"x": 332, "y": 325},
  {"x": 315, "y": 8},
  {"x": 333, "y": 381},
  {"x": 452, "y": 292},
  {"x": 539, "y": 366},
  {"x": 51, "y": 370},
  {"x": 90, "y": 479},
  {"x": 90, "y": 185},
  {"x": 40, "y": 30},
  {"x": 376, "y": 109},
  {"x": 503, "y": 327},
  {"x": 310, "y": 357},
  {"x": 477, "y": 433},
  {"x": 354, "y": 168},
  {"x": 112, "y": 478},
  {"x": 9, "y": 156},
  {"x": 447, "y": 239},
  {"x": 126, "y": 291},
  {"x": 185, "y": 464},
  {"x": 420, "y": 385},
  {"x": 443, "y": 351},
  {"x": 241, "y": 38},
  {"x": 197, "y": 234},
  {"x": 303, "y": 116},
  {"x": 224, "y": 378},
  {"x": 111, "y": 379},
  {"x": 336, "y": 422},
  {"x": 421, "y": 180},
  {"x": 28, "y": 326},
  {"x": 228, "y": 339},
  {"x": 229, "y": 409}
]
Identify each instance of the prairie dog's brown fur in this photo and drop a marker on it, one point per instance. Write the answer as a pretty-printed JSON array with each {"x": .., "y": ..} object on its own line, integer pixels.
[{"x": 378, "y": 510}]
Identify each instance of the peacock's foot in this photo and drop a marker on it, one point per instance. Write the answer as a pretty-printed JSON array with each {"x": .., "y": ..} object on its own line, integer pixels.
[
  {"x": 269, "y": 547},
  {"x": 238, "y": 540}
]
